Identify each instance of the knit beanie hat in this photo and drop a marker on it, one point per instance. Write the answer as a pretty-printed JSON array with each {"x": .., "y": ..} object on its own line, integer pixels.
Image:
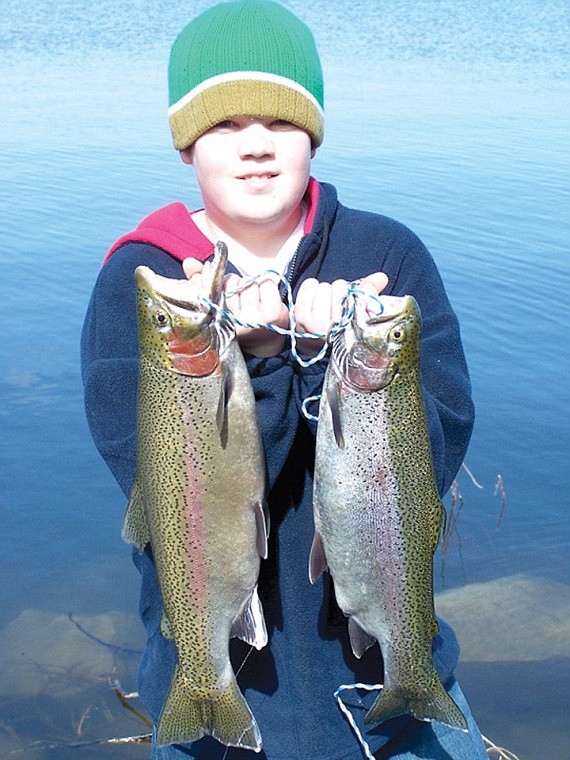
[{"x": 246, "y": 58}]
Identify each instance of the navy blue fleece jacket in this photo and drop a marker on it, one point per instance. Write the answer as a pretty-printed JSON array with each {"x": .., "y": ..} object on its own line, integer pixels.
[{"x": 289, "y": 684}]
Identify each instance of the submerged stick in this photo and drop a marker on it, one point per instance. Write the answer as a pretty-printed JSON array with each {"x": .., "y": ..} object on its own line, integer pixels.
[
  {"x": 124, "y": 700},
  {"x": 114, "y": 647}
]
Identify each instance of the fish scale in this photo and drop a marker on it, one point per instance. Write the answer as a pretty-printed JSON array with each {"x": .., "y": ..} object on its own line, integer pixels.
[
  {"x": 198, "y": 499},
  {"x": 378, "y": 515}
]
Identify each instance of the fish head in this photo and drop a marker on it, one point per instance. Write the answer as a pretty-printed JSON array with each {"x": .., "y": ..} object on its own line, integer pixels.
[
  {"x": 179, "y": 330},
  {"x": 377, "y": 348}
]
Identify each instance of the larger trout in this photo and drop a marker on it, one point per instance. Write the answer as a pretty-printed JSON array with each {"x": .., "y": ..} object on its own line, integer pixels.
[
  {"x": 198, "y": 500},
  {"x": 378, "y": 515}
]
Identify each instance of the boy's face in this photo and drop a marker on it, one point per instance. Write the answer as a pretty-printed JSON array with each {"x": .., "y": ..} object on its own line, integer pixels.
[{"x": 252, "y": 173}]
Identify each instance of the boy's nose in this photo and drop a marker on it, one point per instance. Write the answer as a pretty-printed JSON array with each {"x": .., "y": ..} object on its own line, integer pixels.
[{"x": 256, "y": 140}]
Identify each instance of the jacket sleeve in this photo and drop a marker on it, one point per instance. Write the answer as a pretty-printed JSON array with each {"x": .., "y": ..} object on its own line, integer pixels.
[{"x": 362, "y": 243}]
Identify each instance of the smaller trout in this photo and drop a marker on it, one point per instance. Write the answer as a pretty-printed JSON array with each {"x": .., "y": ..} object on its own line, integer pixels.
[
  {"x": 198, "y": 499},
  {"x": 378, "y": 514}
]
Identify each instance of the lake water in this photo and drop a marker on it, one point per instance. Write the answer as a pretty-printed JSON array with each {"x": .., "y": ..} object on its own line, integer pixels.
[{"x": 450, "y": 115}]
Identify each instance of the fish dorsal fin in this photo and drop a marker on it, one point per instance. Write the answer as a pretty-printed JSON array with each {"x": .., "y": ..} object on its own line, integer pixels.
[
  {"x": 334, "y": 399},
  {"x": 262, "y": 525},
  {"x": 250, "y": 625},
  {"x": 442, "y": 526},
  {"x": 135, "y": 529},
  {"x": 360, "y": 641},
  {"x": 317, "y": 559}
]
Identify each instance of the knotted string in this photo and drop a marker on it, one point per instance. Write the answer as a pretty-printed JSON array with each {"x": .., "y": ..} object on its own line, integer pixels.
[
  {"x": 349, "y": 716},
  {"x": 347, "y": 313}
]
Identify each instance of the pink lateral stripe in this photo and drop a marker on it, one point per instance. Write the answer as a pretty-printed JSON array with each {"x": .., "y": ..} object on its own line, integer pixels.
[{"x": 194, "y": 522}]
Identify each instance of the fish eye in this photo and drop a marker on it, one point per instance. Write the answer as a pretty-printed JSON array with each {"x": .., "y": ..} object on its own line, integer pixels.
[
  {"x": 397, "y": 334},
  {"x": 161, "y": 319}
]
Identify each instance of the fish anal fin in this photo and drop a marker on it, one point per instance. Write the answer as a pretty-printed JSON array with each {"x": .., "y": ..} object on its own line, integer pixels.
[
  {"x": 250, "y": 625},
  {"x": 442, "y": 526},
  {"x": 334, "y": 399},
  {"x": 135, "y": 529},
  {"x": 317, "y": 559},
  {"x": 188, "y": 715},
  {"x": 360, "y": 640},
  {"x": 262, "y": 527}
]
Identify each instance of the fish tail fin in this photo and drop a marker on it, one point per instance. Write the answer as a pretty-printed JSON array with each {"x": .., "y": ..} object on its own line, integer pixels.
[
  {"x": 433, "y": 704},
  {"x": 225, "y": 715}
]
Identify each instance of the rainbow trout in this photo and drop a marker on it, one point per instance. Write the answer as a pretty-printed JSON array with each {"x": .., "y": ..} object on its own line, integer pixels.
[
  {"x": 198, "y": 500},
  {"x": 378, "y": 515}
]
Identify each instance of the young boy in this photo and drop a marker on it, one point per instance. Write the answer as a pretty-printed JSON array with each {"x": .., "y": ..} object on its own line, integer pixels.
[{"x": 246, "y": 112}]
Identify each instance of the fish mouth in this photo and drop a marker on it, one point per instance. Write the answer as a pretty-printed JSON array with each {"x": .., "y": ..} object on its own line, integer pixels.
[
  {"x": 391, "y": 308},
  {"x": 175, "y": 292}
]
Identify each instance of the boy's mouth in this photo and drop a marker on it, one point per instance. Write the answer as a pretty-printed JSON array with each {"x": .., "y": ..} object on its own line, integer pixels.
[{"x": 258, "y": 178}]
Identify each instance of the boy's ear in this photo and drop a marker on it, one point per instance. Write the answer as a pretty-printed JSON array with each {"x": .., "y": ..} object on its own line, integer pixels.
[
  {"x": 313, "y": 152},
  {"x": 187, "y": 155}
]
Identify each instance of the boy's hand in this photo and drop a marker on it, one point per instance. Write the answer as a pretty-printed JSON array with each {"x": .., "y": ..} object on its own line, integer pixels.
[
  {"x": 258, "y": 303},
  {"x": 319, "y": 305}
]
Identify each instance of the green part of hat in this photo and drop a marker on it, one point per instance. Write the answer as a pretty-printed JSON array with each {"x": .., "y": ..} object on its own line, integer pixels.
[{"x": 246, "y": 58}]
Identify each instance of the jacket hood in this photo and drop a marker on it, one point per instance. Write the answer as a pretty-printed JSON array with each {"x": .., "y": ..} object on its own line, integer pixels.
[{"x": 170, "y": 228}]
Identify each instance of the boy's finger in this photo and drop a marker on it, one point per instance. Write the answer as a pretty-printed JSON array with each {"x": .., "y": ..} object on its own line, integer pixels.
[
  {"x": 192, "y": 267},
  {"x": 272, "y": 309},
  {"x": 322, "y": 307},
  {"x": 339, "y": 292},
  {"x": 378, "y": 280}
]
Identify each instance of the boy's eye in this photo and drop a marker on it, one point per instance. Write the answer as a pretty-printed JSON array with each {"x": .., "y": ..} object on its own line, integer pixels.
[
  {"x": 224, "y": 126},
  {"x": 282, "y": 124}
]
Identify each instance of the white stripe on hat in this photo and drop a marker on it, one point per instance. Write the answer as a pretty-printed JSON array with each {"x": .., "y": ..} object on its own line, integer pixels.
[{"x": 233, "y": 76}]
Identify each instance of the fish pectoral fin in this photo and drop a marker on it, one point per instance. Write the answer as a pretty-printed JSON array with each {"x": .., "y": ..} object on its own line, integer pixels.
[
  {"x": 317, "y": 559},
  {"x": 250, "y": 625},
  {"x": 165, "y": 627},
  {"x": 360, "y": 640},
  {"x": 262, "y": 526},
  {"x": 222, "y": 410},
  {"x": 334, "y": 399},
  {"x": 135, "y": 529}
]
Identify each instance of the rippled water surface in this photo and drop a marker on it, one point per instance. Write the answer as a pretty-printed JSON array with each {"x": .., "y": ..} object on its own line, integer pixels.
[{"x": 451, "y": 116}]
